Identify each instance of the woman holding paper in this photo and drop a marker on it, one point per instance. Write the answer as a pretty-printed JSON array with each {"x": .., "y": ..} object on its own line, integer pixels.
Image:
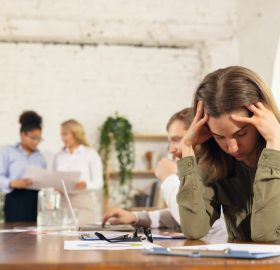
[
  {"x": 21, "y": 203},
  {"x": 77, "y": 155},
  {"x": 237, "y": 128}
]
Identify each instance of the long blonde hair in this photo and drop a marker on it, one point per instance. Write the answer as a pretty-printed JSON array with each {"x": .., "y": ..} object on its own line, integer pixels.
[
  {"x": 224, "y": 91},
  {"x": 77, "y": 131}
]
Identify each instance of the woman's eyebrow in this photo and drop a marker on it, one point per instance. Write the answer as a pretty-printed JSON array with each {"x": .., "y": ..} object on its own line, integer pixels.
[
  {"x": 232, "y": 134},
  {"x": 175, "y": 138}
]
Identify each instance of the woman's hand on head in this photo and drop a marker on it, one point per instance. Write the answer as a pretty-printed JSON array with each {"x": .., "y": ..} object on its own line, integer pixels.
[
  {"x": 119, "y": 216},
  {"x": 198, "y": 132},
  {"x": 265, "y": 122},
  {"x": 20, "y": 183}
]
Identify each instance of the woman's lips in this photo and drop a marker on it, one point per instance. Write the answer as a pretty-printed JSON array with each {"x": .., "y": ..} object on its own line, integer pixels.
[{"x": 237, "y": 155}]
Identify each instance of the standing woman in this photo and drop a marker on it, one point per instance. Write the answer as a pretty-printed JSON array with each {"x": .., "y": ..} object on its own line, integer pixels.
[
  {"x": 77, "y": 155},
  {"x": 21, "y": 203},
  {"x": 237, "y": 128}
]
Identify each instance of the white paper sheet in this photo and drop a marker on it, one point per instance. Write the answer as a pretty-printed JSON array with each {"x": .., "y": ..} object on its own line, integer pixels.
[
  {"x": 103, "y": 245},
  {"x": 168, "y": 235},
  {"x": 43, "y": 178},
  {"x": 239, "y": 247},
  {"x": 13, "y": 230}
]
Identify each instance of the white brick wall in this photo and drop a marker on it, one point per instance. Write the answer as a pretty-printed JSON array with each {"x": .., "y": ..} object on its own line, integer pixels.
[
  {"x": 180, "y": 40},
  {"x": 89, "y": 83},
  {"x": 258, "y": 34},
  {"x": 147, "y": 22}
]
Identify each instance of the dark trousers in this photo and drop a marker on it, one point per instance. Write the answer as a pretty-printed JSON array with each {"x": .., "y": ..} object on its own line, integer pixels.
[{"x": 21, "y": 206}]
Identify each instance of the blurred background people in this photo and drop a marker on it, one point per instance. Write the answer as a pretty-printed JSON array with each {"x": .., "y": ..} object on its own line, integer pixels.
[
  {"x": 77, "y": 155},
  {"x": 21, "y": 203}
]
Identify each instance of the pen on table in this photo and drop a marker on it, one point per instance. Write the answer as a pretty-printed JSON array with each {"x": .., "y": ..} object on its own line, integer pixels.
[{"x": 199, "y": 251}]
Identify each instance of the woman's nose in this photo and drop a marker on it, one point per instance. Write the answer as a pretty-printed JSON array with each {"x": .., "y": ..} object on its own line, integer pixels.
[{"x": 232, "y": 146}]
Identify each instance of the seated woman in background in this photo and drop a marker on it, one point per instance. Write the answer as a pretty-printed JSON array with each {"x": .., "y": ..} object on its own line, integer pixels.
[
  {"x": 77, "y": 155},
  {"x": 21, "y": 203},
  {"x": 237, "y": 127}
]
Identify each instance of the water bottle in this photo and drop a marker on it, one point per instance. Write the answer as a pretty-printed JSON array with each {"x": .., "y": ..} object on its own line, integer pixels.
[{"x": 49, "y": 213}]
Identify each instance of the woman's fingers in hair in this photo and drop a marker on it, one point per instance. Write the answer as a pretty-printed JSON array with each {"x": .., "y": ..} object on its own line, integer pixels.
[
  {"x": 260, "y": 105},
  {"x": 242, "y": 119},
  {"x": 256, "y": 108},
  {"x": 203, "y": 120},
  {"x": 199, "y": 111}
]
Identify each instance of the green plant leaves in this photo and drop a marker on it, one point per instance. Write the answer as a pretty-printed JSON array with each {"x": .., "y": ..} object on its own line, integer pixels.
[{"x": 117, "y": 130}]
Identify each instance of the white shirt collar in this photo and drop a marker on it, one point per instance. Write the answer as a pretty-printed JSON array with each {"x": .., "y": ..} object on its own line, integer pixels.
[{"x": 80, "y": 149}]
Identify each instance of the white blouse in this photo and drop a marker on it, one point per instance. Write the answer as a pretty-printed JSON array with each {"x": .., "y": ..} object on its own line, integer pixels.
[{"x": 84, "y": 160}]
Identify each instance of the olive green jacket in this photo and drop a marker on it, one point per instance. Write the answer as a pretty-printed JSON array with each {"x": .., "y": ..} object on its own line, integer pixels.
[{"x": 250, "y": 200}]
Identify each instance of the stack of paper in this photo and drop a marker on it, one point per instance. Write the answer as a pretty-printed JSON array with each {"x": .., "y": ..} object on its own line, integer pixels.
[{"x": 42, "y": 178}]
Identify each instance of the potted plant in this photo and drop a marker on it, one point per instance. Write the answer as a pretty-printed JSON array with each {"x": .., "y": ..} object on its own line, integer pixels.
[{"x": 117, "y": 131}]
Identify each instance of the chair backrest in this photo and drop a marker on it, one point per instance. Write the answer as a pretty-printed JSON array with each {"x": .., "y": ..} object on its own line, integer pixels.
[{"x": 153, "y": 195}]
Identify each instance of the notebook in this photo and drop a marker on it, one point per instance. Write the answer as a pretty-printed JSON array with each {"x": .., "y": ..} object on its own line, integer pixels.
[{"x": 229, "y": 250}]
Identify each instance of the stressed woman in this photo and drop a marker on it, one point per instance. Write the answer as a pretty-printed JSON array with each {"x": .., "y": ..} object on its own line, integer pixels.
[
  {"x": 21, "y": 203},
  {"x": 236, "y": 127}
]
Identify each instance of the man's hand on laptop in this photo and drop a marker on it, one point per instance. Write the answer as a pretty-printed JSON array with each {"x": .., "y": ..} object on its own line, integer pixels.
[{"x": 119, "y": 216}]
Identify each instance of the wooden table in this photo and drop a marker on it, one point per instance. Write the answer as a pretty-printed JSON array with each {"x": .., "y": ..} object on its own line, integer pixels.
[{"x": 28, "y": 251}]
